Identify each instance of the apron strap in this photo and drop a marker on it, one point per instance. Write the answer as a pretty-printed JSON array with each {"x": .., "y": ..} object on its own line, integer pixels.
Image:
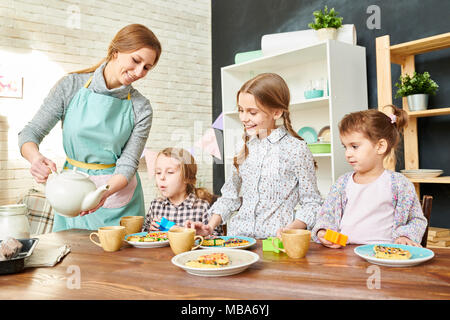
[
  {"x": 88, "y": 82},
  {"x": 90, "y": 166},
  {"x": 86, "y": 85}
]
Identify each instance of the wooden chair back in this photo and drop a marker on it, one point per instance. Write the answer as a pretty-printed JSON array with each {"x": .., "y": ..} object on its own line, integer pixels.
[{"x": 426, "y": 208}]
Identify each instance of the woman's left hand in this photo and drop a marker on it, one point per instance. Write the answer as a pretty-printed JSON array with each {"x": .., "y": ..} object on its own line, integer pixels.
[
  {"x": 116, "y": 182},
  {"x": 407, "y": 241},
  {"x": 102, "y": 201}
]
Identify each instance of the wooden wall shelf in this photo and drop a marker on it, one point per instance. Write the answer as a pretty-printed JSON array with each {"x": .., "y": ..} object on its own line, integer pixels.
[
  {"x": 432, "y": 180},
  {"x": 439, "y": 42},
  {"x": 429, "y": 113},
  {"x": 404, "y": 55}
]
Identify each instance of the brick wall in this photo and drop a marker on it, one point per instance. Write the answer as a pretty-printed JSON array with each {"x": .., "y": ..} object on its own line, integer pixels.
[{"x": 41, "y": 40}]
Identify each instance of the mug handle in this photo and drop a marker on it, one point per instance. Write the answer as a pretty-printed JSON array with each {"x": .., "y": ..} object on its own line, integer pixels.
[
  {"x": 97, "y": 243},
  {"x": 281, "y": 249},
  {"x": 201, "y": 241}
]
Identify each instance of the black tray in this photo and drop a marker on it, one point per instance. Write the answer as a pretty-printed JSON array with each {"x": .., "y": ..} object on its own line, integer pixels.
[{"x": 17, "y": 264}]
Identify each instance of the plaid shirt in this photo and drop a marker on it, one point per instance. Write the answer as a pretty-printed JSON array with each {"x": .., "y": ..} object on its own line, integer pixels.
[{"x": 192, "y": 208}]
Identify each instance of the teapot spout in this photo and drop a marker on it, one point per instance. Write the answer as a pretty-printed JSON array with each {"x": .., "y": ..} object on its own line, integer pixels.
[{"x": 92, "y": 199}]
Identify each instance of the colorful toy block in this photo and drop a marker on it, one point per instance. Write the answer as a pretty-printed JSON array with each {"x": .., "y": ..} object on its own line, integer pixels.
[
  {"x": 336, "y": 237},
  {"x": 274, "y": 246},
  {"x": 165, "y": 224}
]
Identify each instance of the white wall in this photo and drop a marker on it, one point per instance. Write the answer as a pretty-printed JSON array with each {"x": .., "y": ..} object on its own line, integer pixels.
[{"x": 41, "y": 40}]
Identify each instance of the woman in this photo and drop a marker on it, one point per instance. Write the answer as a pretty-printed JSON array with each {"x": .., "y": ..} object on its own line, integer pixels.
[{"x": 105, "y": 123}]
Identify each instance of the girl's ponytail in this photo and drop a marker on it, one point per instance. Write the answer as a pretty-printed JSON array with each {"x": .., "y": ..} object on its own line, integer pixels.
[
  {"x": 399, "y": 117},
  {"x": 204, "y": 194},
  {"x": 288, "y": 125},
  {"x": 242, "y": 155}
]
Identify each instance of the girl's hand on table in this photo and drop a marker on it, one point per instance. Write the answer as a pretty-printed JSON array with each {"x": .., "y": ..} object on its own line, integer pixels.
[
  {"x": 279, "y": 231},
  {"x": 200, "y": 228},
  {"x": 154, "y": 226},
  {"x": 407, "y": 241},
  {"x": 326, "y": 243}
]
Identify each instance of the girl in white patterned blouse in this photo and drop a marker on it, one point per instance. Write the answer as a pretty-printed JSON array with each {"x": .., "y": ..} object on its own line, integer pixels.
[
  {"x": 273, "y": 173},
  {"x": 175, "y": 175}
]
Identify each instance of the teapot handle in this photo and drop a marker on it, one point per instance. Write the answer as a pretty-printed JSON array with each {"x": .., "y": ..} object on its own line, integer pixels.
[{"x": 55, "y": 172}]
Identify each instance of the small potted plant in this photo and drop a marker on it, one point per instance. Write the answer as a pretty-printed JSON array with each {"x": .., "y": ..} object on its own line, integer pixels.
[
  {"x": 326, "y": 23},
  {"x": 416, "y": 89}
]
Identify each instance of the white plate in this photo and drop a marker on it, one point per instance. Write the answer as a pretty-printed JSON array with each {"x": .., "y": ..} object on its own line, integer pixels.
[
  {"x": 240, "y": 260},
  {"x": 251, "y": 242},
  {"x": 418, "y": 255},
  {"x": 157, "y": 244},
  {"x": 422, "y": 173}
]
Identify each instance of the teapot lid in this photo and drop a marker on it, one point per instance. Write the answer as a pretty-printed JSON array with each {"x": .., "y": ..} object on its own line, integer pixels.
[{"x": 74, "y": 174}]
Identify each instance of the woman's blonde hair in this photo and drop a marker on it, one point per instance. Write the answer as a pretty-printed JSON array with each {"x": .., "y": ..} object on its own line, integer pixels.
[
  {"x": 188, "y": 172},
  {"x": 270, "y": 92},
  {"x": 130, "y": 38},
  {"x": 376, "y": 125}
]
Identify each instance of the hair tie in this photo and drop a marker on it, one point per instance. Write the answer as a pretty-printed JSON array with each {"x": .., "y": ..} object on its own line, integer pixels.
[{"x": 393, "y": 118}]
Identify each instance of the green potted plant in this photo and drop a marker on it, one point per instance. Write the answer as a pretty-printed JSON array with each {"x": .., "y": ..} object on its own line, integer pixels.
[
  {"x": 326, "y": 23},
  {"x": 416, "y": 89}
]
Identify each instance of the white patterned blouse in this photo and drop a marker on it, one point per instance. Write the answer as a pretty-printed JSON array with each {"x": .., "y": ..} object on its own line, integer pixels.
[{"x": 277, "y": 174}]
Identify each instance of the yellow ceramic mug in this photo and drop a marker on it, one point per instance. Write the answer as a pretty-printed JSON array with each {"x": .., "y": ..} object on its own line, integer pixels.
[
  {"x": 295, "y": 242},
  {"x": 132, "y": 224},
  {"x": 183, "y": 239},
  {"x": 111, "y": 238}
]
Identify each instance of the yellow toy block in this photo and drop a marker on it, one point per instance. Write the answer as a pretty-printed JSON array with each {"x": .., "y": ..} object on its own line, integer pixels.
[{"x": 336, "y": 237}]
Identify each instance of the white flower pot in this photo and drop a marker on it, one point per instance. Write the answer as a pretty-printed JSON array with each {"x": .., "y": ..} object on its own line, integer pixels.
[
  {"x": 327, "y": 34},
  {"x": 417, "y": 102}
]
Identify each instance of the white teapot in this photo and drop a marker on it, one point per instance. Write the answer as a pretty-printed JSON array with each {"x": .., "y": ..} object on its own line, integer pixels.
[{"x": 71, "y": 192}]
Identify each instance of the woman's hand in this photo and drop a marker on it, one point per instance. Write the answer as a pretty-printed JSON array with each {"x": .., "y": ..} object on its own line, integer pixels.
[
  {"x": 321, "y": 234},
  {"x": 116, "y": 182},
  {"x": 407, "y": 241},
  {"x": 200, "y": 228},
  {"x": 41, "y": 168},
  {"x": 102, "y": 201}
]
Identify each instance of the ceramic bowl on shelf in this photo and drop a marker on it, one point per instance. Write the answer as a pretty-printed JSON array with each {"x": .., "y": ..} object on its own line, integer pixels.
[
  {"x": 312, "y": 94},
  {"x": 324, "y": 134},
  {"x": 308, "y": 134},
  {"x": 422, "y": 173},
  {"x": 320, "y": 147}
]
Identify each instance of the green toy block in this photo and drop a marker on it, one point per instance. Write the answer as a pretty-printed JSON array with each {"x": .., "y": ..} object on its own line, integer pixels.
[{"x": 268, "y": 246}]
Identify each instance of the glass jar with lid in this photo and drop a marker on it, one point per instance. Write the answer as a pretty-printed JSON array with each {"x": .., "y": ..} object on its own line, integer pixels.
[{"x": 14, "y": 222}]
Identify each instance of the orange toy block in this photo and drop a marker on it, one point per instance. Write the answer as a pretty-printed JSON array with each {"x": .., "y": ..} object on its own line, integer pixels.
[{"x": 336, "y": 237}]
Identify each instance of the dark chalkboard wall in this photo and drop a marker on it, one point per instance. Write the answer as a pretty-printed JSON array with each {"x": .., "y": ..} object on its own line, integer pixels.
[{"x": 238, "y": 25}]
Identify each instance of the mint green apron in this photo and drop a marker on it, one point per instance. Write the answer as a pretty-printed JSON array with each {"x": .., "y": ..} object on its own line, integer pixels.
[{"x": 96, "y": 128}]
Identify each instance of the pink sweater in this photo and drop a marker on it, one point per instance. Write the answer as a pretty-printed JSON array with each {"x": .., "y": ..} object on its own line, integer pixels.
[{"x": 408, "y": 220}]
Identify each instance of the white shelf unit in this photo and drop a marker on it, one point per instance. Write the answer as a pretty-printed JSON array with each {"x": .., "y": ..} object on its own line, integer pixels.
[{"x": 341, "y": 64}]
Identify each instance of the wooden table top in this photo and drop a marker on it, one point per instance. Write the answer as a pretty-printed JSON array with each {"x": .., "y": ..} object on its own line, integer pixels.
[{"x": 134, "y": 273}]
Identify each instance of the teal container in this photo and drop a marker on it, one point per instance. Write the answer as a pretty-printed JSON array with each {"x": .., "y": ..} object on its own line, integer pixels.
[
  {"x": 247, "y": 56},
  {"x": 312, "y": 94}
]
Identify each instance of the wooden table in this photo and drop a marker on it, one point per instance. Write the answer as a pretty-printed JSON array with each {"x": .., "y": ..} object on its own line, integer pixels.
[{"x": 134, "y": 273}]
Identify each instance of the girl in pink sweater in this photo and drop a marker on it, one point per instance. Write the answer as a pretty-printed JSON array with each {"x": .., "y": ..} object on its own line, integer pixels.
[{"x": 371, "y": 204}]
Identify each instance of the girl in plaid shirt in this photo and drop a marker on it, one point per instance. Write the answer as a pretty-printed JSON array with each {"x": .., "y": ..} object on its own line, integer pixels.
[{"x": 175, "y": 174}]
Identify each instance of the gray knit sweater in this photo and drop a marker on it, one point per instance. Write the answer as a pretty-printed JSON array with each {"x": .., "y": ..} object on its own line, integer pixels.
[{"x": 56, "y": 103}]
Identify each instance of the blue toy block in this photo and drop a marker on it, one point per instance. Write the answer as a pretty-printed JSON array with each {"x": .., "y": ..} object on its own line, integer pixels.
[{"x": 165, "y": 224}]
